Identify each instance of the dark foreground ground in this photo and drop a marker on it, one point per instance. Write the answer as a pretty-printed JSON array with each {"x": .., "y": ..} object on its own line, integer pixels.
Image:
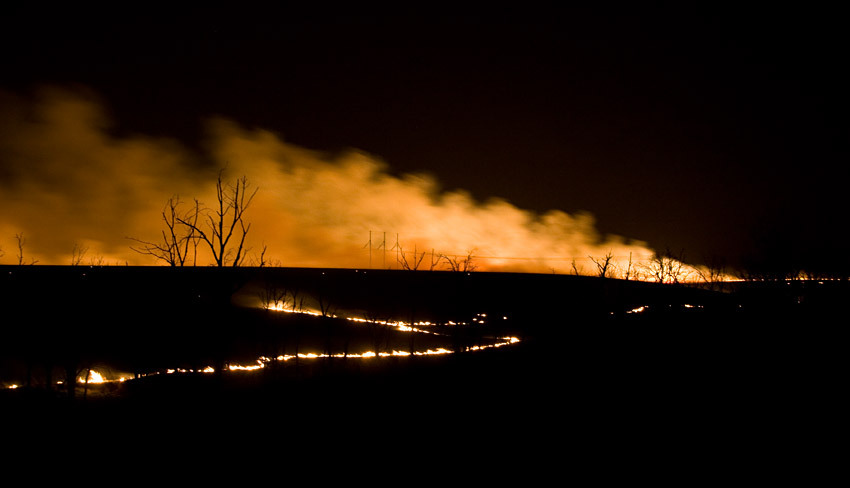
[
  {"x": 745, "y": 379},
  {"x": 615, "y": 408}
]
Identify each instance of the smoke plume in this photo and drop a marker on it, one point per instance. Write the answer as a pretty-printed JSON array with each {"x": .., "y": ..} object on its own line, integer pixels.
[{"x": 68, "y": 183}]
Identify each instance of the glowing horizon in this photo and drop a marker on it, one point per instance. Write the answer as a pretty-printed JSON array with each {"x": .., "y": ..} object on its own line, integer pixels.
[{"x": 75, "y": 192}]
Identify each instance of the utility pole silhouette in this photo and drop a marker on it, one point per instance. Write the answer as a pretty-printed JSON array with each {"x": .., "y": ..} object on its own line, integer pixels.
[
  {"x": 370, "y": 249},
  {"x": 384, "y": 245},
  {"x": 397, "y": 249}
]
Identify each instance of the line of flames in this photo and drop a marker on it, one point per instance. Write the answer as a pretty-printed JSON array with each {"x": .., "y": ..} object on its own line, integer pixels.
[
  {"x": 263, "y": 361},
  {"x": 95, "y": 377}
]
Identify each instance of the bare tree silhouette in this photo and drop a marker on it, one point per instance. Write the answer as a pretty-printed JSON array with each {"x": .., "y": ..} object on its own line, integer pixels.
[
  {"x": 576, "y": 270},
  {"x": 261, "y": 261},
  {"x": 21, "y": 242},
  {"x": 435, "y": 260},
  {"x": 459, "y": 264},
  {"x": 414, "y": 262},
  {"x": 667, "y": 267},
  {"x": 273, "y": 296},
  {"x": 176, "y": 237},
  {"x": 628, "y": 274},
  {"x": 713, "y": 272},
  {"x": 224, "y": 228},
  {"x": 604, "y": 265},
  {"x": 78, "y": 253}
]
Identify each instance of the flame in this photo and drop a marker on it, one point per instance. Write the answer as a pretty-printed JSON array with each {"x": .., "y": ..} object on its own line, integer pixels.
[
  {"x": 261, "y": 362},
  {"x": 93, "y": 377},
  {"x": 253, "y": 367},
  {"x": 372, "y": 354}
]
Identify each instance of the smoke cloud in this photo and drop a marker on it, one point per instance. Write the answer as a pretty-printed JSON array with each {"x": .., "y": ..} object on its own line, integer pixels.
[{"x": 68, "y": 182}]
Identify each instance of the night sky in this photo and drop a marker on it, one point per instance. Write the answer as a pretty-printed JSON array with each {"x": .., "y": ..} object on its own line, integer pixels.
[{"x": 716, "y": 133}]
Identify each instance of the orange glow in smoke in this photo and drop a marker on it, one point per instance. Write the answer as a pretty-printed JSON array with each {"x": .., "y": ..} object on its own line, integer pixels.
[{"x": 77, "y": 192}]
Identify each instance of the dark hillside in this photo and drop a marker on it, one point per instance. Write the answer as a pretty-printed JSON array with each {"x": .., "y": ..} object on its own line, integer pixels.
[
  {"x": 688, "y": 379},
  {"x": 598, "y": 348},
  {"x": 155, "y": 317}
]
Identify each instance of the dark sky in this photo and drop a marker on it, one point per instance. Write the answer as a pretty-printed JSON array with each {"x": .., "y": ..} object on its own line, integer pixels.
[{"x": 709, "y": 131}]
